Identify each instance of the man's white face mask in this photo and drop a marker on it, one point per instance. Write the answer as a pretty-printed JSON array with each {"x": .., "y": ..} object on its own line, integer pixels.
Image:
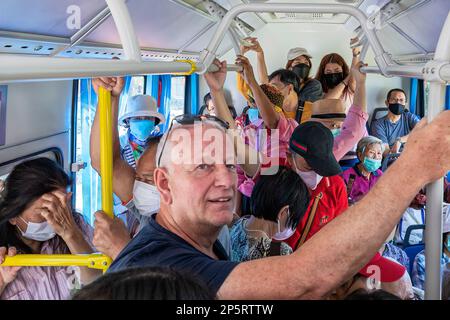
[{"x": 146, "y": 198}]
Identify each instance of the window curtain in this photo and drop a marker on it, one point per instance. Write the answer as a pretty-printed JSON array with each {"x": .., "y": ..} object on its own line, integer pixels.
[
  {"x": 191, "y": 94},
  {"x": 91, "y": 183},
  {"x": 159, "y": 87},
  {"x": 447, "y": 98},
  {"x": 417, "y": 97}
]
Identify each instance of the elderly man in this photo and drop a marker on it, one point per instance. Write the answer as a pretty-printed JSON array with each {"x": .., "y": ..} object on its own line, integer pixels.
[
  {"x": 197, "y": 198},
  {"x": 134, "y": 186}
]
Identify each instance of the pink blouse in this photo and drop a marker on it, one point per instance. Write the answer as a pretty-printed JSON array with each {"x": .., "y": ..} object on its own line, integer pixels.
[{"x": 48, "y": 283}]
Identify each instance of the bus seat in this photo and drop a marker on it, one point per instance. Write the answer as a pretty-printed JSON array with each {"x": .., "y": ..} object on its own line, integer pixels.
[
  {"x": 377, "y": 114},
  {"x": 412, "y": 250},
  {"x": 387, "y": 161}
]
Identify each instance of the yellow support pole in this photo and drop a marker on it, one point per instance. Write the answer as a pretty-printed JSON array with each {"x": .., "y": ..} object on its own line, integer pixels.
[
  {"x": 106, "y": 161},
  {"x": 94, "y": 261}
]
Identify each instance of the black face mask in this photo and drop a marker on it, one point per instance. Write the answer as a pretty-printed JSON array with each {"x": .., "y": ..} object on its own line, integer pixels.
[
  {"x": 333, "y": 79},
  {"x": 301, "y": 70},
  {"x": 396, "y": 108}
]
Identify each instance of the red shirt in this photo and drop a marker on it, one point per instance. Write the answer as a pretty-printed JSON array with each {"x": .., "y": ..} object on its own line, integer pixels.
[{"x": 334, "y": 201}]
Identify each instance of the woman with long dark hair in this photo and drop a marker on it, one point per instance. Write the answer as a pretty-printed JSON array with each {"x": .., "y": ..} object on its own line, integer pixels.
[
  {"x": 36, "y": 218},
  {"x": 336, "y": 79}
]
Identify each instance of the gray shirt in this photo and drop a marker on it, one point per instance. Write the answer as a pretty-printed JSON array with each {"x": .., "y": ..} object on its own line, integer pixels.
[{"x": 388, "y": 132}]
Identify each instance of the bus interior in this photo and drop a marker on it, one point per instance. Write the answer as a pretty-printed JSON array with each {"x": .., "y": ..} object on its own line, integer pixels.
[{"x": 50, "y": 51}]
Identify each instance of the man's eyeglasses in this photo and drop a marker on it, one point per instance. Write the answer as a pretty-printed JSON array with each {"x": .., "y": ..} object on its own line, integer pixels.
[{"x": 190, "y": 119}]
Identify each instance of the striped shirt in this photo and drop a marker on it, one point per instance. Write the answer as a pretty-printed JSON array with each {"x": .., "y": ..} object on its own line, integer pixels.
[
  {"x": 127, "y": 155},
  {"x": 48, "y": 283}
]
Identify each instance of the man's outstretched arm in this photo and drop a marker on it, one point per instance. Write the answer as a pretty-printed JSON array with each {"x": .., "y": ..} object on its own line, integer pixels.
[{"x": 356, "y": 235}]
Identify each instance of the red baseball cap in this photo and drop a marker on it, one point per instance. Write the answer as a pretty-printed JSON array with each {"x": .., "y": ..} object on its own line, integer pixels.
[{"x": 389, "y": 270}]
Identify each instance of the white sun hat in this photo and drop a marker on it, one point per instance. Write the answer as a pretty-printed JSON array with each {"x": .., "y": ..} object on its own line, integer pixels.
[
  {"x": 141, "y": 106},
  {"x": 297, "y": 52}
]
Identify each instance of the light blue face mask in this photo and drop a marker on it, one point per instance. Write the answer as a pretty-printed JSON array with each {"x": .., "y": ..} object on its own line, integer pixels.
[
  {"x": 141, "y": 128},
  {"x": 336, "y": 132},
  {"x": 371, "y": 165},
  {"x": 253, "y": 115}
]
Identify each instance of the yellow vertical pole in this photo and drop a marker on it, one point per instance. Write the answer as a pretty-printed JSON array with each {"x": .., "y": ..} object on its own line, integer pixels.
[
  {"x": 106, "y": 162},
  {"x": 94, "y": 260}
]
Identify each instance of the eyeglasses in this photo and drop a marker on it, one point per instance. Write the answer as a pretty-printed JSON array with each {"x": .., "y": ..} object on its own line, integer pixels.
[{"x": 190, "y": 119}]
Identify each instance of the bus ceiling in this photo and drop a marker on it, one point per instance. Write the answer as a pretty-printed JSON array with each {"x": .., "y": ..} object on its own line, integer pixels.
[{"x": 382, "y": 27}]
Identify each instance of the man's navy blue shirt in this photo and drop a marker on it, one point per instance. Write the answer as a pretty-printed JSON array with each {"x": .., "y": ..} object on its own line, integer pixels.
[{"x": 156, "y": 246}]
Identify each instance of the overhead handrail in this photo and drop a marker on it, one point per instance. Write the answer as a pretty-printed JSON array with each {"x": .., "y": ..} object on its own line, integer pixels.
[{"x": 22, "y": 68}]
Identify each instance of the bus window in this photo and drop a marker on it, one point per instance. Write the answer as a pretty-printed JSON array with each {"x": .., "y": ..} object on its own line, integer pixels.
[
  {"x": 87, "y": 182},
  {"x": 178, "y": 96}
]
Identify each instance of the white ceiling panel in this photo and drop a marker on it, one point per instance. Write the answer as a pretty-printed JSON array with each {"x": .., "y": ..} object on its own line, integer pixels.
[
  {"x": 46, "y": 17},
  {"x": 394, "y": 43},
  {"x": 202, "y": 42},
  {"x": 425, "y": 23},
  {"x": 158, "y": 24}
]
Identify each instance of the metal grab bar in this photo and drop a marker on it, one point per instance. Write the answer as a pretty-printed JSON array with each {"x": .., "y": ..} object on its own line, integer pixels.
[{"x": 93, "y": 261}]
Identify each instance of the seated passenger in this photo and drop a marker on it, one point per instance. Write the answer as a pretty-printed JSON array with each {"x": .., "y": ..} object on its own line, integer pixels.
[
  {"x": 362, "y": 177},
  {"x": 336, "y": 79},
  {"x": 36, "y": 218},
  {"x": 134, "y": 186},
  {"x": 394, "y": 128},
  {"x": 197, "y": 198},
  {"x": 153, "y": 283},
  {"x": 278, "y": 203},
  {"x": 418, "y": 272},
  {"x": 414, "y": 215},
  {"x": 392, "y": 251}
]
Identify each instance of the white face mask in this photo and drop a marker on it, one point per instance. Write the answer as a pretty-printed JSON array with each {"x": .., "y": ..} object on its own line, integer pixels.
[
  {"x": 38, "y": 231},
  {"x": 310, "y": 178},
  {"x": 285, "y": 234},
  {"x": 145, "y": 198}
]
